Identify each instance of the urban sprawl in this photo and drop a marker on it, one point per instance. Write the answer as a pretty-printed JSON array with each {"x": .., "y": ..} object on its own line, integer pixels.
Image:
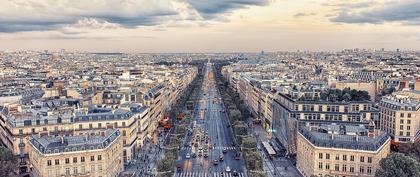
[{"x": 264, "y": 114}]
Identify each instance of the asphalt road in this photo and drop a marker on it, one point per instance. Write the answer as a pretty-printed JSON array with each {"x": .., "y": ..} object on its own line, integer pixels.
[{"x": 210, "y": 116}]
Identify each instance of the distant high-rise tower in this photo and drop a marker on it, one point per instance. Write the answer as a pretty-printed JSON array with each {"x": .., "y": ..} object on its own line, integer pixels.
[{"x": 262, "y": 52}]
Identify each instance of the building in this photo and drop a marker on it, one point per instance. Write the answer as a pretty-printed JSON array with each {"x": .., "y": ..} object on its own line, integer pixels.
[
  {"x": 288, "y": 111},
  {"x": 339, "y": 150},
  {"x": 400, "y": 117},
  {"x": 95, "y": 155}
]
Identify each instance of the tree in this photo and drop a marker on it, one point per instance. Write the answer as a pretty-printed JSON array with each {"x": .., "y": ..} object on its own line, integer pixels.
[
  {"x": 240, "y": 128},
  {"x": 8, "y": 162},
  {"x": 397, "y": 164},
  {"x": 411, "y": 149}
]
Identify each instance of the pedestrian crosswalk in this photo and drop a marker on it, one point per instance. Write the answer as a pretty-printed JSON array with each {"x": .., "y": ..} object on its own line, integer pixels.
[
  {"x": 217, "y": 147},
  {"x": 208, "y": 174}
]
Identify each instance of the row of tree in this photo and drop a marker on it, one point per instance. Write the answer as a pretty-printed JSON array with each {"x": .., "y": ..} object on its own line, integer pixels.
[
  {"x": 171, "y": 148},
  {"x": 238, "y": 115}
]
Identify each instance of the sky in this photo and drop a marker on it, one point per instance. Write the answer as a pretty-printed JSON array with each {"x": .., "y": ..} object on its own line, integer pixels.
[{"x": 208, "y": 25}]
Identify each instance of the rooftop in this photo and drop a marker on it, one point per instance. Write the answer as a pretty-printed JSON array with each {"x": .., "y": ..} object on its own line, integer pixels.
[
  {"x": 53, "y": 145},
  {"x": 343, "y": 141}
]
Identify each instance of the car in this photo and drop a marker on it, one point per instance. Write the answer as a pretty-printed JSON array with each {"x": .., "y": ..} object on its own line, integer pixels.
[
  {"x": 194, "y": 155},
  {"x": 235, "y": 173},
  {"x": 206, "y": 155},
  {"x": 221, "y": 158},
  {"x": 196, "y": 145},
  {"x": 227, "y": 169},
  {"x": 200, "y": 148},
  {"x": 228, "y": 126},
  {"x": 188, "y": 156},
  {"x": 224, "y": 150},
  {"x": 200, "y": 154},
  {"x": 215, "y": 162},
  {"x": 178, "y": 168}
]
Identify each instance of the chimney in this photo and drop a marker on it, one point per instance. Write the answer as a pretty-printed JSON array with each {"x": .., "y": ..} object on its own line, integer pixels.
[
  {"x": 62, "y": 139},
  {"x": 86, "y": 136},
  {"x": 357, "y": 136}
]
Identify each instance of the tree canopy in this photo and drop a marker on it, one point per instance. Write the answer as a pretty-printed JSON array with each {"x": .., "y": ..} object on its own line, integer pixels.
[
  {"x": 8, "y": 162},
  {"x": 397, "y": 164}
]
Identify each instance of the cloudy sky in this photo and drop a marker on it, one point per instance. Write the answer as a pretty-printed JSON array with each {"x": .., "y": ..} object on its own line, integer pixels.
[{"x": 208, "y": 25}]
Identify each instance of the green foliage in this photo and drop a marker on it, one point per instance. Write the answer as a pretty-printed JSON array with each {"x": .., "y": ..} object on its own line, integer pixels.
[
  {"x": 411, "y": 149},
  {"x": 8, "y": 162},
  {"x": 249, "y": 142},
  {"x": 346, "y": 94},
  {"x": 234, "y": 115},
  {"x": 397, "y": 164},
  {"x": 240, "y": 128}
]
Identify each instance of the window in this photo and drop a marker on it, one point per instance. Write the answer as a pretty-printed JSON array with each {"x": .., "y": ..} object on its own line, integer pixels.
[
  {"x": 57, "y": 161},
  {"x": 408, "y": 134},
  {"x": 74, "y": 159},
  {"x": 337, "y": 157},
  {"x": 67, "y": 160},
  {"x": 320, "y": 155},
  {"x": 48, "y": 162},
  {"x": 337, "y": 167},
  {"x": 90, "y": 126},
  {"x": 124, "y": 133},
  {"x": 402, "y": 115},
  {"x": 49, "y": 173},
  {"x": 344, "y": 157},
  {"x": 75, "y": 170},
  {"x": 409, "y": 115},
  {"x": 99, "y": 157},
  {"x": 92, "y": 168},
  {"x": 369, "y": 170},
  {"x": 369, "y": 159},
  {"x": 362, "y": 159},
  {"x": 362, "y": 169},
  {"x": 20, "y": 131},
  {"x": 92, "y": 158},
  {"x": 327, "y": 156},
  {"x": 352, "y": 158},
  {"x": 327, "y": 166},
  {"x": 57, "y": 172},
  {"x": 99, "y": 167},
  {"x": 320, "y": 165},
  {"x": 402, "y": 121},
  {"x": 67, "y": 171},
  {"x": 100, "y": 125},
  {"x": 115, "y": 124},
  {"x": 344, "y": 168},
  {"x": 33, "y": 130},
  {"x": 82, "y": 169},
  {"x": 351, "y": 169},
  {"x": 80, "y": 126},
  {"x": 408, "y": 127},
  {"x": 123, "y": 124},
  {"x": 401, "y": 127},
  {"x": 82, "y": 159}
]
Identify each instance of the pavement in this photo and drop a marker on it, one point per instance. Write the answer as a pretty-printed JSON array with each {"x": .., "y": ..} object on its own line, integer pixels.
[
  {"x": 145, "y": 164},
  {"x": 210, "y": 116},
  {"x": 276, "y": 167}
]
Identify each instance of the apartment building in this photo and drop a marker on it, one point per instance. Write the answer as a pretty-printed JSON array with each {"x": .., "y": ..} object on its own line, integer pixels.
[
  {"x": 19, "y": 122},
  {"x": 400, "y": 117},
  {"x": 288, "y": 111},
  {"x": 94, "y": 154},
  {"x": 340, "y": 150}
]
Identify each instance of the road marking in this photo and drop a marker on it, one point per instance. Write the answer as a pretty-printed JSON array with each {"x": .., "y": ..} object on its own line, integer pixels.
[{"x": 205, "y": 174}]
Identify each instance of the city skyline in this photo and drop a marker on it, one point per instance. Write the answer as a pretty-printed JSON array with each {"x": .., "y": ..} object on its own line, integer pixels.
[{"x": 216, "y": 26}]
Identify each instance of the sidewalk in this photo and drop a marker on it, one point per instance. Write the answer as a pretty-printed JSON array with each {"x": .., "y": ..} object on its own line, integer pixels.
[{"x": 280, "y": 166}]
